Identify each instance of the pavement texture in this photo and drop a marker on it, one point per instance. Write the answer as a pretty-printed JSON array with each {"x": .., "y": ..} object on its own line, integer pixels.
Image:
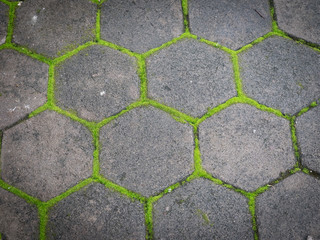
[{"x": 147, "y": 119}]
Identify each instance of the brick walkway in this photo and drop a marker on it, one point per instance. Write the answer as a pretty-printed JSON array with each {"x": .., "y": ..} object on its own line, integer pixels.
[{"x": 172, "y": 119}]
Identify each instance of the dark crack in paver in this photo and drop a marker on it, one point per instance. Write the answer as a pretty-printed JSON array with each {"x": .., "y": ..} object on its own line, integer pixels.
[
  {"x": 141, "y": 25},
  {"x": 281, "y": 73},
  {"x": 97, "y": 82},
  {"x": 4, "y": 16},
  {"x": 23, "y": 86},
  {"x": 46, "y": 155},
  {"x": 96, "y": 212},
  {"x": 290, "y": 209},
  {"x": 246, "y": 147},
  {"x": 18, "y": 219},
  {"x": 232, "y": 23},
  {"x": 300, "y": 18},
  {"x": 202, "y": 210},
  {"x": 53, "y": 27},
  {"x": 146, "y": 150},
  {"x": 308, "y": 134},
  {"x": 190, "y": 76}
]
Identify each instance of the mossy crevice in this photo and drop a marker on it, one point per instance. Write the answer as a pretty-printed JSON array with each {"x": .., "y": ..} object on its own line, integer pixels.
[{"x": 185, "y": 11}]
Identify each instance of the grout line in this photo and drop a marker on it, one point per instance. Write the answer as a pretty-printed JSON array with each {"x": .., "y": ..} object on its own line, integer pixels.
[
  {"x": 12, "y": 9},
  {"x": 185, "y": 11},
  {"x": 252, "y": 210},
  {"x": 149, "y": 219},
  {"x": 98, "y": 23},
  {"x": 43, "y": 220},
  {"x": 294, "y": 141},
  {"x": 142, "y": 72},
  {"x": 237, "y": 79},
  {"x": 96, "y": 162}
]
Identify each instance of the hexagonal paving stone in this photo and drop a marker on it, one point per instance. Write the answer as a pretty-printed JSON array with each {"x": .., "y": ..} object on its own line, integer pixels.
[
  {"x": 141, "y": 25},
  {"x": 290, "y": 209},
  {"x": 308, "y": 134},
  {"x": 46, "y": 155},
  {"x": 281, "y": 73},
  {"x": 96, "y": 212},
  {"x": 190, "y": 76},
  {"x": 97, "y": 82},
  {"x": 201, "y": 210},
  {"x": 246, "y": 147},
  {"x": 4, "y": 17},
  {"x": 18, "y": 219},
  {"x": 23, "y": 86},
  {"x": 300, "y": 18},
  {"x": 146, "y": 150},
  {"x": 232, "y": 23},
  {"x": 53, "y": 27}
]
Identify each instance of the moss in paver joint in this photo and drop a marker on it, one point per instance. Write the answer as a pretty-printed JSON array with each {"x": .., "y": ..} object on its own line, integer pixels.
[
  {"x": 185, "y": 11},
  {"x": 98, "y": 22},
  {"x": 143, "y": 77},
  {"x": 1, "y": 135}
]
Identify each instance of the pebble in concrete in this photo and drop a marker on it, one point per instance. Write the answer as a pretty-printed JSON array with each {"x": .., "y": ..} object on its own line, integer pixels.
[
  {"x": 46, "y": 155},
  {"x": 246, "y": 147},
  {"x": 54, "y": 27},
  {"x": 146, "y": 150},
  {"x": 290, "y": 209},
  {"x": 23, "y": 86},
  {"x": 18, "y": 219},
  {"x": 190, "y": 76},
  {"x": 202, "y": 210},
  {"x": 308, "y": 134},
  {"x": 232, "y": 23},
  {"x": 281, "y": 74},
  {"x": 4, "y": 17},
  {"x": 97, "y": 82},
  {"x": 96, "y": 212},
  {"x": 141, "y": 25},
  {"x": 299, "y": 18}
]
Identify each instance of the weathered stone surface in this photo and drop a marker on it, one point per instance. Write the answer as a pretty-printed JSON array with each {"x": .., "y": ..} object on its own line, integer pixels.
[
  {"x": 23, "y": 86},
  {"x": 96, "y": 212},
  {"x": 281, "y": 73},
  {"x": 300, "y": 18},
  {"x": 141, "y": 25},
  {"x": 97, "y": 82},
  {"x": 146, "y": 150},
  {"x": 232, "y": 23},
  {"x": 4, "y": 17},
  {"x": 18, "y": 219},
  {"x": 46, "y": 155},
  {"x": 290, "y": 209},
  {"x": 53, "y": 27},
  {"x": 202, "y": 210},
  {"x": 246, "y": 147},
  {"x": 308, "y": 134},
  {"x": 191, "y": 76}
]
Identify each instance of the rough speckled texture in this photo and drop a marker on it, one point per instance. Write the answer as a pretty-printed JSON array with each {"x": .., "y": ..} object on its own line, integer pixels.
[
  {"x": 202, "y": 210},
  {"x": 96, "y": 212},
  {"x": 281, "y": 74},
  {"x": 4, "y": 13},
  {"x": 232, "y": 23},
  {"x": 18, "y": 219},
  {"x": 308, "y": 134},
  {"x": 53, "y": 27},
  {"x": 46, "y": 155},
  {"x": 190, "y": 76},
  {"x": 290, "y": 209},
  {"x": 141, "y": 25},
  {"x": 245, "y": 146},
  {"x": 300, "y": 18},
  {"x": 146, "y": 150},
  {"x": 23, "y": 86},
  {"x": 97, "y": 83}
]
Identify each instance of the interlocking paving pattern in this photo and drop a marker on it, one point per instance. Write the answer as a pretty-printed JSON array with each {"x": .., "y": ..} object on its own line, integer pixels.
[{"x": 178, "y": 119}]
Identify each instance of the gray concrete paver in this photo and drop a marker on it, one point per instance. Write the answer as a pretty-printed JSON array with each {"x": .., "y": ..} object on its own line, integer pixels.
[
  {"x": 202, "y": 210},
  {"x": 190, "y": 76},
  {"x": 95, "y": 212},
  {"x": 146, "y": 150},
  {"x": 246, "y": 147},
  {"x": 4, "y": 14},
  {"x": 23, "y": 86},
  {"x": 308, "y": 134},
  {"x": 290, "y": 209},
  {"x": 141, "y": 25},
  {"x": 97, "y": 82},
  {"x": 232, "y": 23},
  {"x": 53, "y": 27},
  {"x": 46, "y": 155},
  {"x": 281, "y": 74}
]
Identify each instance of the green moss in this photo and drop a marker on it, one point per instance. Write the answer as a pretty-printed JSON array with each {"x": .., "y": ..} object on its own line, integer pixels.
[
  {"x": 294, "y": 140},
  {"x": 12, "y": 9},
  {"x": 236, "y": 71},
  {"x": 185, "y": 11},
  {"x": 148, "y": 218},
  {"x": 98, "y": 22},
  {"x": 43, "y": 219},
  {"x": 117, "y": 47},
  {"x": 143, "y": 77},
  {"x": 252, "y": 210}
]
